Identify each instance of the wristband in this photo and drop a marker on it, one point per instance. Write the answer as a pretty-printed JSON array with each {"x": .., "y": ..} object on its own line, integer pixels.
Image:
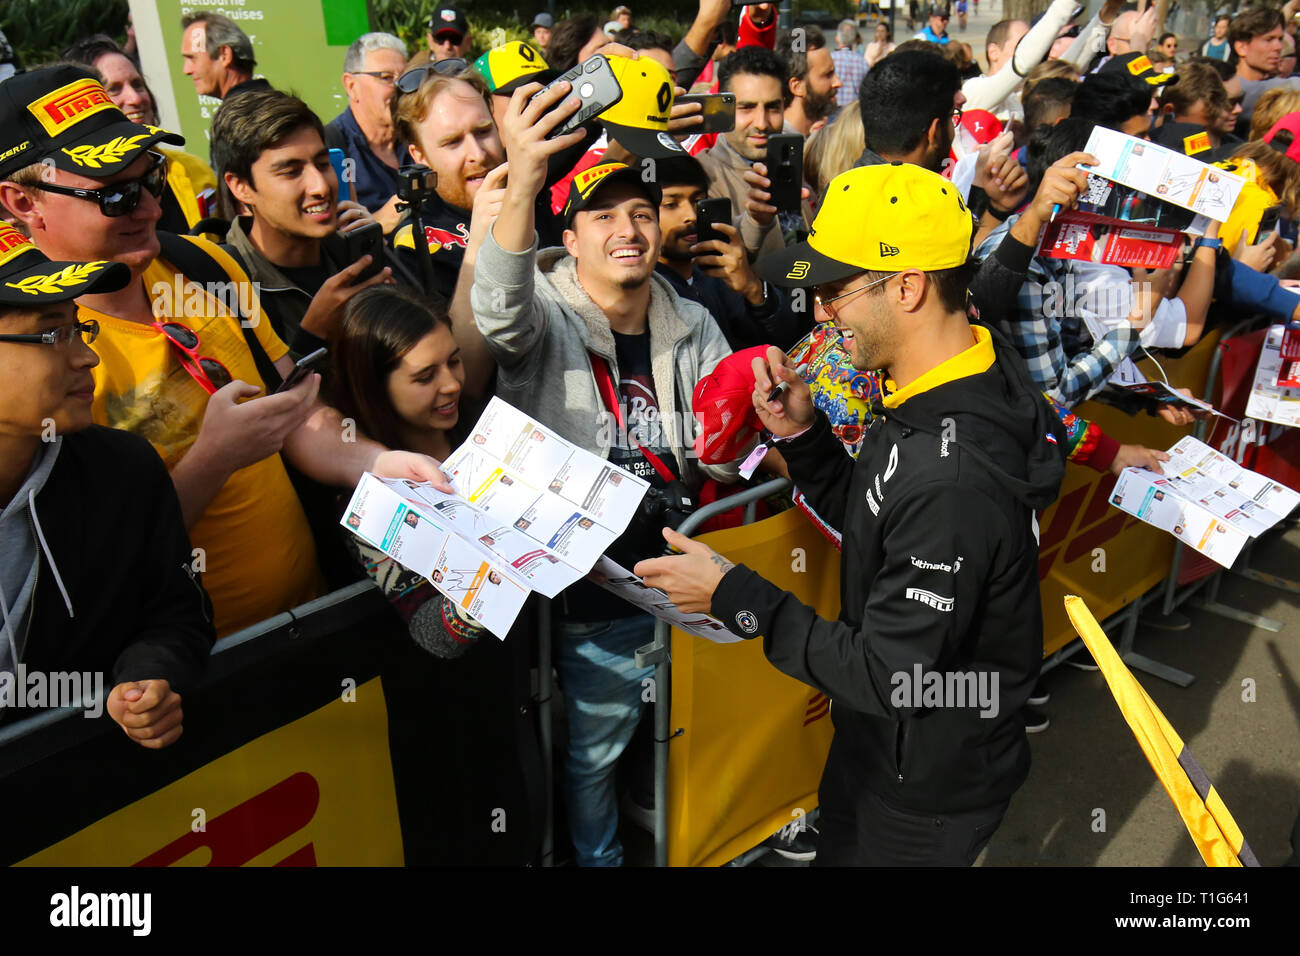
[
  {"x": 998, "y": 214},
  {"x": 1205, "y": 242}
]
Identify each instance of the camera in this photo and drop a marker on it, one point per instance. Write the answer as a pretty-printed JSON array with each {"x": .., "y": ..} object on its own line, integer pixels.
[
  {"x": 415, "y": 183},
  {"x": 666, "y": 507}
]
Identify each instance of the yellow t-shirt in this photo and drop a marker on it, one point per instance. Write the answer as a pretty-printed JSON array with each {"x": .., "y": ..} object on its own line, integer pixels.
[
  {"x": 1255, "y": 198},
  {"x": 258, "y": 552}
]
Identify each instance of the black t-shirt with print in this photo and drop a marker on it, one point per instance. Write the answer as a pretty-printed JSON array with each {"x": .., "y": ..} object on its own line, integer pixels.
[
  {"x": 639, "y": 407},
  {"x": 640, "y": 411}
]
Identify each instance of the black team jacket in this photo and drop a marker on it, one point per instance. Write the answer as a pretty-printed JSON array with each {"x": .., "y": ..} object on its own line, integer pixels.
[{"x": 939, "y": 569}]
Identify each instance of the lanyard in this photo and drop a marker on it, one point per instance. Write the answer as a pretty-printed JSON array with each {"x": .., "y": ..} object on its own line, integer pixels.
[{"x": 605, "y": 385}]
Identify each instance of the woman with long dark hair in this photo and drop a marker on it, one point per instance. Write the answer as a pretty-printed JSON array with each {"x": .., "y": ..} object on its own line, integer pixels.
[{"x": 463, "y": 733}]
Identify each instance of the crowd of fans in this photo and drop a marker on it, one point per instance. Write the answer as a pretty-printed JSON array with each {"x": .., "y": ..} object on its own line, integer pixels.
[{"x": 531, "y": 266}]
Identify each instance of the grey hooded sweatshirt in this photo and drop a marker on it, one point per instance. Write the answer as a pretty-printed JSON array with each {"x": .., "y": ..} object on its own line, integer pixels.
[{"x": 541, "y": 326}]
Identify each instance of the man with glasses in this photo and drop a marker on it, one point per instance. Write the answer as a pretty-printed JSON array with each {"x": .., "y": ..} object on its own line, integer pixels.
[
  {"x": 940, "y": 560},
  {"x": 177, "y": 364},
  {"x": 364, "y": 131},
  {"x": 96, "y": 571}
]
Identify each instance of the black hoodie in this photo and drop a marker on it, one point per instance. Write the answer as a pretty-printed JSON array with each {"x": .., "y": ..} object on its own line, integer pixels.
[{"x": 939, "y": 570}]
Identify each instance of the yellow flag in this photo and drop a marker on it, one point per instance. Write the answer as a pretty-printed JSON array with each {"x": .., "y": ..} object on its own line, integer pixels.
[{"x": 1215, "y": 833}]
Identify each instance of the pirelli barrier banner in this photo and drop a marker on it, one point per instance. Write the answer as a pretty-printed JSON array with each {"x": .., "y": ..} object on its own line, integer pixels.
[{"x": 325, "y": 741}]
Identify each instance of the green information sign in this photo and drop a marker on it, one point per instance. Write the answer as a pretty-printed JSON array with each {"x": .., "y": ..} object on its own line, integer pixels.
[{"x": 299, "y": 47}]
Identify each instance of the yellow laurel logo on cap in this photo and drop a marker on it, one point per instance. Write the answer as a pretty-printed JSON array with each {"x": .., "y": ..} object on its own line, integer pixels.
[
  {"x": 800, "y": 270},
  {"x": 69, "y": 105},
  {"x": 69, "y": 276},
  {"x": 1196, "y": 143},
  {"x": 1139, "y": 65},
  {"x": 110, "y": 152},
  {"x": 12, "y": 243}
]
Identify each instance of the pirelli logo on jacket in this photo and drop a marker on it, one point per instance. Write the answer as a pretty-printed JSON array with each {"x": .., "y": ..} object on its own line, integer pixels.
[
  {"x": 69, "y": 105},
  {"x": 936, "y": 601}
]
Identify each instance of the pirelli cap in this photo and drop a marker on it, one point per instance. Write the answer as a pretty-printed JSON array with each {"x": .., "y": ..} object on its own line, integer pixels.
[
  {"x": 1139, "y": 68},
  {"x": 63, "y": 114},
  {"x": 585, "y": 185},
  {"x": 1192, "y": 140},
  {"x": 28, "y": 278},
  {"x": 639, "y": 121},
  {"x": 509, "y": 67},
  {"x": 883, "y": 218}
]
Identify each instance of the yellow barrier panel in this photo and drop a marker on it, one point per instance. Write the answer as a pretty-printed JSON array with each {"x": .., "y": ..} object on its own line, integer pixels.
[
  {"x": 1217, "y": 837},
  {"x": 317, "y": 791},
  {"x": 754, "y": 740},
  {"x": 1133, "y": 557}
]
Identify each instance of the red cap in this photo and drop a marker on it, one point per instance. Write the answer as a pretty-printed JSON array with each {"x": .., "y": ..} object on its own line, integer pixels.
[
  {"x": 724, "y": 406},
  {"x": 1285, "y": 136},
  {"x": 982, "y": 125}
]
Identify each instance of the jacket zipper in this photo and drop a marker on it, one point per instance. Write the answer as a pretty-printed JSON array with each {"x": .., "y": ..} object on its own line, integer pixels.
[{"x": 898, "y": 749}]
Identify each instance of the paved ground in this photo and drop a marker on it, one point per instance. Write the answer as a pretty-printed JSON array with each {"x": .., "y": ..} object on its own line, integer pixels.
[{"x": 1088, "y": 758}]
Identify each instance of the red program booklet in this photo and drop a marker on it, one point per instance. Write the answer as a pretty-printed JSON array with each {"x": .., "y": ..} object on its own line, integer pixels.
[{"x": 1092, "y": 238}]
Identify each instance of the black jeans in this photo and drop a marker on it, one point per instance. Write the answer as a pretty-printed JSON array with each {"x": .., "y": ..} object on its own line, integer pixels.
[{"x": 858, "y": 828}]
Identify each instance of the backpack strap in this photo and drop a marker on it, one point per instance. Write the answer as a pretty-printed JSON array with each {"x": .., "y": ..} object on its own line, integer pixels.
[{"x": 210, "y": 263}]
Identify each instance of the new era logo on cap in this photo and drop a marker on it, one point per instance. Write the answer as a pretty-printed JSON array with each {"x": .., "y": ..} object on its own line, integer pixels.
[{"x": 887, "y": 250}]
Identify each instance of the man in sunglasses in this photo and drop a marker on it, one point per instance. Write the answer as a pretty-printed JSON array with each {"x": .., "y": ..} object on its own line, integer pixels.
[
  {"x": 940, "y": 559},
  {"x": 936, "y": 30},
  {"x": 96, "y": 571},
  {"x": 448, "y": 36},
  {"x": 177, "y": 365}
]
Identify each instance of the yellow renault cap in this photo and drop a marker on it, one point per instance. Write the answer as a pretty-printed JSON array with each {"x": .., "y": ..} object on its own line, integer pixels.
[
  {"x": 510, "y": 66},
  {"x": 639, "y": 121},
  {"x": 881, "y": 218}
]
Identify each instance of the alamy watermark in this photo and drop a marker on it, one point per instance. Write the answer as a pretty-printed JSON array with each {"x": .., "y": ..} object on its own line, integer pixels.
[
  {"x": 946, "y": 689},
  {"x": 183, "y": 298},
  {"x": 31, "y": 689}
]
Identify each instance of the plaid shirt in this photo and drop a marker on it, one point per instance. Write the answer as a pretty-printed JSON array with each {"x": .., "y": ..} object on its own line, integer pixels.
[
  {"x": 850, "y": 67},
  {"x": 1050, "y": 333}
]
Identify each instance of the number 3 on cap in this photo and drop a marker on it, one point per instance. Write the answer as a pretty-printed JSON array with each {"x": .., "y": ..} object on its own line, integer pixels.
[{"x": 799, "y": 271}]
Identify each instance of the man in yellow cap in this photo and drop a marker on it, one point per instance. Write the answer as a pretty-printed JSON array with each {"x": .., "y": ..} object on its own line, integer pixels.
[{"x": 939, "y": 638}]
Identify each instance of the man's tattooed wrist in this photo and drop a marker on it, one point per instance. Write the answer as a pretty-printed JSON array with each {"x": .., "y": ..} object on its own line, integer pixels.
[{"x": 722, "y": 563}]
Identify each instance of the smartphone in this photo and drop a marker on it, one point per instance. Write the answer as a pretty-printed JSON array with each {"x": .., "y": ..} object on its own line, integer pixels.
[
  {"x": 595, "y": 84},
  {"x": 785, "y": 170},
  {"x": 708, "y": 212},
  {"x": 1268, "y": 221},
  {"x": 338, "y": 161},
  {"x": 366, "y": 240},
  {"x": 719, "y": 111},
  {"x": 301, "y": 368}
]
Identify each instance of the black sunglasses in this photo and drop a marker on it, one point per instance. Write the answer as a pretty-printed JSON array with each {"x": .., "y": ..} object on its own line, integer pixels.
[
  {"x": 410, "y": 81},
  {"x": 119, "y": 198}
]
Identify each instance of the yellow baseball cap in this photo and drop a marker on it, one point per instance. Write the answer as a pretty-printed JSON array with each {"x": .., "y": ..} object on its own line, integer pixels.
[
  {"x": 508, "y": 67},
  {"x": 881, "y": 218},
  {"x": 639, "y": 121}
]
